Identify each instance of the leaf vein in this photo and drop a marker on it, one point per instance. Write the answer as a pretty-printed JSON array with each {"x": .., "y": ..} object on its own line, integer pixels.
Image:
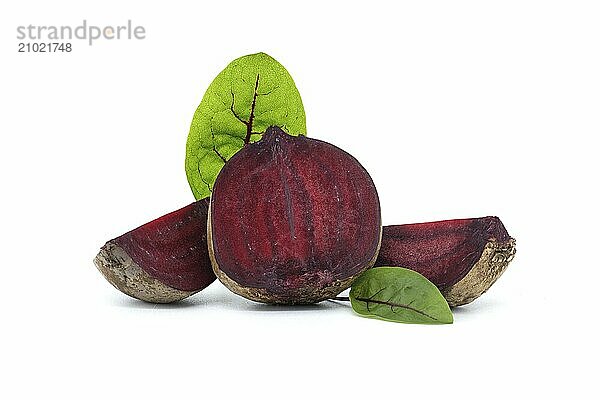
[
  {"x": 251, "y": 118},
  {"x": 392, "y": 305}
]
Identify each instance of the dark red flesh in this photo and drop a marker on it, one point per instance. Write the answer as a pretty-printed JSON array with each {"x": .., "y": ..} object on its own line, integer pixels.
[
  {"x": 443, "y": 251},
  {"x": 173, "y": 248},
  {"x": 292, "y": 212}
]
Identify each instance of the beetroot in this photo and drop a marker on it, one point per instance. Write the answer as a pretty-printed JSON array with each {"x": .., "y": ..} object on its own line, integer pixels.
[
  {"x": 462, "y": 257},
  {"x": 292, "y": 220},
  {"x": 162, "y": 261}
]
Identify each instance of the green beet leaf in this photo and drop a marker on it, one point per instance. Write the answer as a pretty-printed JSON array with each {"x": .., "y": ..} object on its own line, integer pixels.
[
  {"x": 252, "y": 93},
  {"x": 399, "y": 295}
]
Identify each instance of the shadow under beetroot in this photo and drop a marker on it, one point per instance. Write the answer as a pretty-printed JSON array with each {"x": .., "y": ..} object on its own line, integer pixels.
[
  {"x": 478, "y": 306},
  {"x": 130, "y": 302},
  {"x": 248, "y": 305}
]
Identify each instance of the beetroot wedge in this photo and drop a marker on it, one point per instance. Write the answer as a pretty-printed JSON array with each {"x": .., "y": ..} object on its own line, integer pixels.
[
  {"x": 462, "y": 257},
  {"x": 292, "y": 220},
  {"x": 163, "y": 261}
]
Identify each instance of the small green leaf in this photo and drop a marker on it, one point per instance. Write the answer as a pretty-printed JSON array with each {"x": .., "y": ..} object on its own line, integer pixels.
[
  {"x": 399, "y": 295},
  {"x": 252, "y": 93}
]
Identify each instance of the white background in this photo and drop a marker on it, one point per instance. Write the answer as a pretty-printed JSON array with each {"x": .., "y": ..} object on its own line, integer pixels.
[{"x": 457, "y": 109}]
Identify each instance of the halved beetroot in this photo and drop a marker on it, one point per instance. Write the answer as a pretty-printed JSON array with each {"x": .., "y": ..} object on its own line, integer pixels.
[
  {"x": 462, "y": 257},
  {"x": 163, "y": 261},
  {"x": 292, "y": 220}
]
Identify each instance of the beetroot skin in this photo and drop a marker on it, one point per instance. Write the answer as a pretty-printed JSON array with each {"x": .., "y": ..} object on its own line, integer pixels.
[
  {"x": 162, "y": 261},
  {"x": 462, "y": 257},
  {"x": 292, "y": 220}
]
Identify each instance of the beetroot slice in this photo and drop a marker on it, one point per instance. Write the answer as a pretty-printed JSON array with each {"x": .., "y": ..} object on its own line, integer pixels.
[
  {"x": 462, "y": 257},
  {"x": 292, "y": 220},
  {"x": 162, "y": 261}
]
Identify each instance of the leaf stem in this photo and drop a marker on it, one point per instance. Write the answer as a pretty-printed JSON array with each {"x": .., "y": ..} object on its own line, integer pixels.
[{"x": 340, "y": 298}]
